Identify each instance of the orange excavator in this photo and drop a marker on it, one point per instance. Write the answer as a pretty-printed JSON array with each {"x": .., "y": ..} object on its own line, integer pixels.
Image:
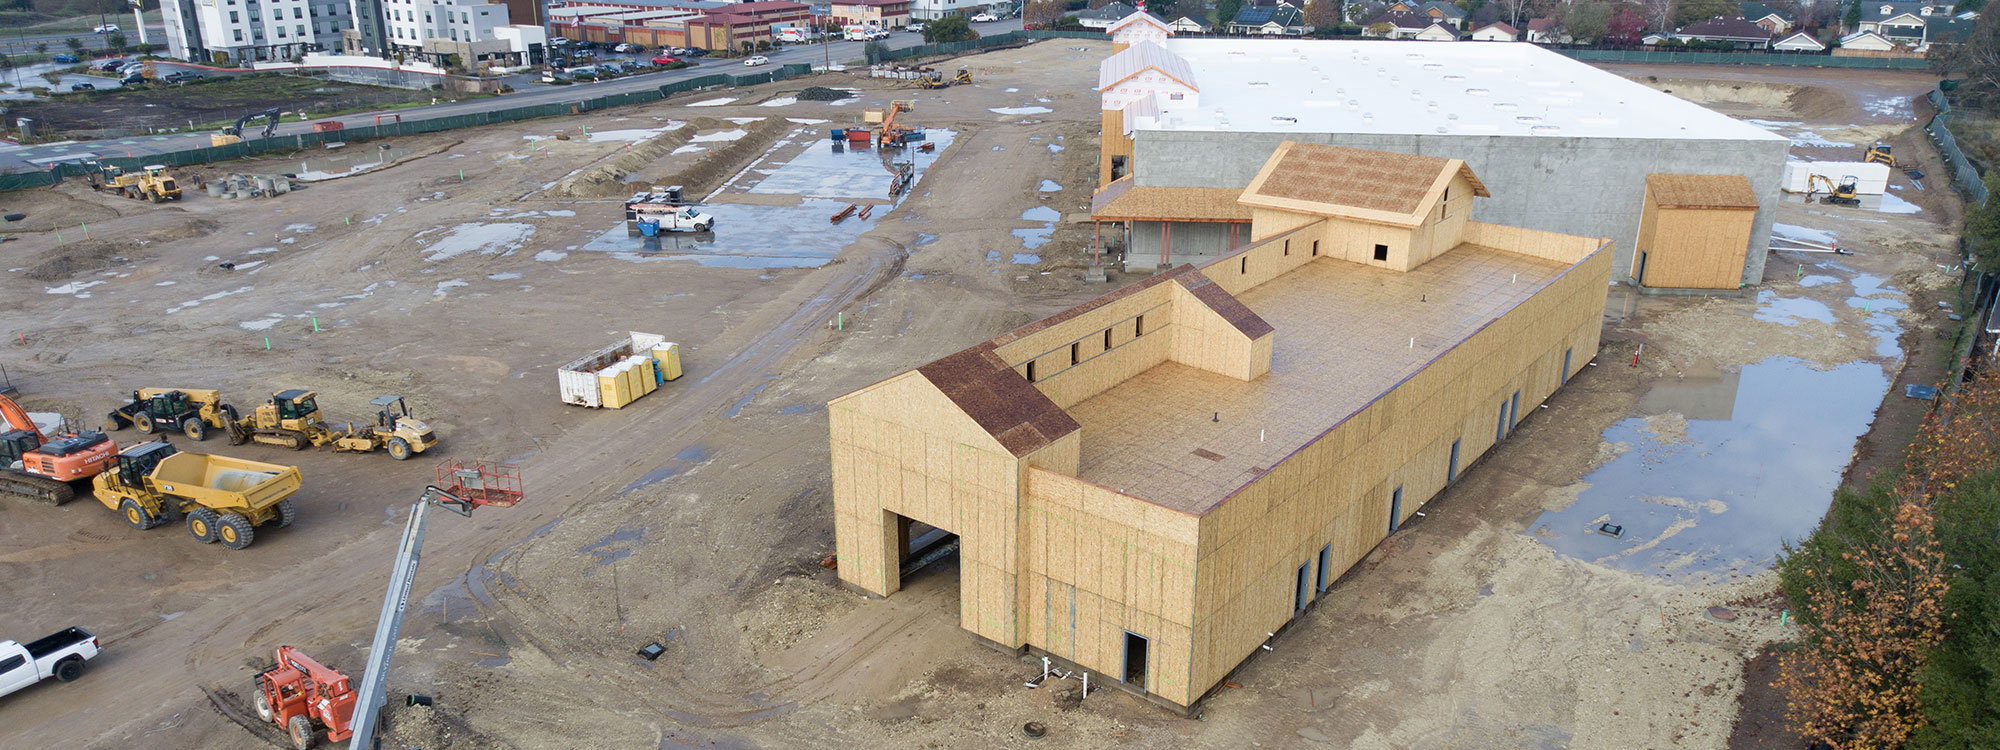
[
  {"x": 893, "y": 134},
  {"x": 36, "y": 466},
  {"x": 302, "y": 695}
]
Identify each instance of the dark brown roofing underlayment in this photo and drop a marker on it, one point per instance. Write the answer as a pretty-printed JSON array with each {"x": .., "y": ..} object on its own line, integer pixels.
[
  {"x": 1701, "y": 191},
  {"x": 999, "y": 400}
]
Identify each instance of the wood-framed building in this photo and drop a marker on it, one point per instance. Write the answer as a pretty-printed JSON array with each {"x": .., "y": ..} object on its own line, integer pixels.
[
  {"x": 1149, "y": 483},
  {"x": 1694, "y": 230}
]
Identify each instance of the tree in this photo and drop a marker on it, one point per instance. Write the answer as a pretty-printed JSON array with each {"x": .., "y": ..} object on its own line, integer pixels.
[
  {"x": 1225, "y": 12},
  {"x": 1324, "y": 13},
  {"x": 1982, "y": 225},
  {"x": 949, "y": 29},
  {"x": 876, "y": 51},
  {"x": 41, "y": 48},
  {"x": 1659, "y": 14},
  {"x": 1511, "y": 10},
  {"x": 1978, "y": 57},
  {"x": 1041, "y": 13},
  {"x": 1382, "y": 29},
  {"x": 1625, "y": 26},
  {"x": 1853, "y": 17},
  {"x": 1586, "y": 22},
  {"x": 115, "y": 41},
  {"x": 1696, "y": 11},
  {"x": 74, "y": 44}
]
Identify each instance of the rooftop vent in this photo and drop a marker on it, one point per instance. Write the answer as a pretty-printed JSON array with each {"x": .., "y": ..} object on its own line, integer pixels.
[
  {"x": 1529, "y": 119},
  {"x": 1259, "y": 83},
  {"x": 1453, "y": 77},
  {"x": 1432, "y": 106},
  {"x": 1281, "y": 118},
  {"x": 1546, "y": 129},
  {"x": 1367, "y": 117},
  {"x": 1506, "y": 106},
  {"x": 1433, "y": 66}
]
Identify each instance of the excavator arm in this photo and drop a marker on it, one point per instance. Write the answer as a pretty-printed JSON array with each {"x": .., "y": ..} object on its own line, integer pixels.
[{"x": 17, "y": 418}]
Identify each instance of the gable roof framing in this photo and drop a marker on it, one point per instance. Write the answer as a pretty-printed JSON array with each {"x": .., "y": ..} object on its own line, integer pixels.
[{"x": 1370, "y": 186}]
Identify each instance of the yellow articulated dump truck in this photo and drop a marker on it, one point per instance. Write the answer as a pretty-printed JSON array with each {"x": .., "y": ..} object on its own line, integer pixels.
[{"x": 223, "y": 499}]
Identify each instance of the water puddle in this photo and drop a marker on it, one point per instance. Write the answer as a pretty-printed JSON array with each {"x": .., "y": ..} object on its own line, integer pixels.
[
  {"x": 801, "y": 408},
  {"x": 693, "y": 454},
  {"x": 1720, "y": 471},
  {"x": 1035, "y": 237},
  {"x": 614, "y": 546},
  {"x": 653, "y": 477},
  {"x": 1772, "y": 308},
  {"x": 835, "y": 170},
  {"x": 745, "y": 236}
]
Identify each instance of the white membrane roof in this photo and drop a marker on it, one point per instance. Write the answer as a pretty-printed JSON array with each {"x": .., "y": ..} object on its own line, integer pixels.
[{"x": 1427, "y": 88}]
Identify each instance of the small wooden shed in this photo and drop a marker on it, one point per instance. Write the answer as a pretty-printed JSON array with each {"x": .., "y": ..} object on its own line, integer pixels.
[{"x": 1694, "y": 232}]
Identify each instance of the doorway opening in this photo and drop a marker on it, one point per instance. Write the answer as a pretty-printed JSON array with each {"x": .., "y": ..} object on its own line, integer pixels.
[{"x": 1135, "y": 660}]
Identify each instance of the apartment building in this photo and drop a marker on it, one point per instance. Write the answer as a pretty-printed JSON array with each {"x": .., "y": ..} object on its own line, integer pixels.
[{"x": 234, "y": 31}]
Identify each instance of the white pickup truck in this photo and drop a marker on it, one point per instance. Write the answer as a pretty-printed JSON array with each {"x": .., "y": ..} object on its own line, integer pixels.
[{"x": 60, "y": 655}]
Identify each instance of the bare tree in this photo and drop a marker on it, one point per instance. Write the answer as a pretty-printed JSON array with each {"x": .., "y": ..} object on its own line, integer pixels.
[
  {"x": 1659, "y": 14},
  {"x": 1513, "y": 10}
]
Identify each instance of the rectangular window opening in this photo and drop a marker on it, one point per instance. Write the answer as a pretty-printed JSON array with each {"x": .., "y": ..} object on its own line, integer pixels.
[
  {"x": 1325, "y": 561},
  {"x": 1031, "y": 379},
  {"x": 1382, "y": 252},
  {"x": 1451, "y": 469},
  {"x": 1107, "y": 339},
  {"x": 1243, "y": 264},
  {"x": 1139, "y": 326},
  {"x": 1315, "y": 248},
  {"x": 1514, "y": 411},
  {"x": 1288, "y": 247},
  {"x": 1075, "y": 352},
  {"x": 1500, "y": 428},
  {"x": 1565, "y": 372}
]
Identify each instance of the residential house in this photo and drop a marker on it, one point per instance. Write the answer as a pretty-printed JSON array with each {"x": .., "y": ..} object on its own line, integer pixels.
[
  {"x": 1437, "y": 12},
  {"x": 1656, "y": 38},
  {"x": 1190, "y": 25},
  {"x": 1943, "y": 29},
  {"x": 1437, "y": 32},
  {"x": 1104, "y": 17},
  {"x": 1736, "y": 31},
  {"x": 1400, "y": 25},
  {"x": 1775, "y": 21},
  {"x": 1495, "y": 32},
  {"x": 1900, "y": 23},
  {"x": 1545, "y": 30},
  {"x": 1866, "y": 43},
  {"x": 1270, "y": 20},
  {"x": 1799, "y": 41}
]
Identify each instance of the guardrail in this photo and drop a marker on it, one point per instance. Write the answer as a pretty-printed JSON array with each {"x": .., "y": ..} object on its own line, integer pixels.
[{"x": 59, "y": 170}]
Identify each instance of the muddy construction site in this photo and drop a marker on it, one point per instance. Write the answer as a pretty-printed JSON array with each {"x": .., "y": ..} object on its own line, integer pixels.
[{"x": 464, "y": 274}]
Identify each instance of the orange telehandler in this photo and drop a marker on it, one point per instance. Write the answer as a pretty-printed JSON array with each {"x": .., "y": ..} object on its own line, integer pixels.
[
  {"x": 36, "y": 466},
  {"x": 301, "y": 695}
]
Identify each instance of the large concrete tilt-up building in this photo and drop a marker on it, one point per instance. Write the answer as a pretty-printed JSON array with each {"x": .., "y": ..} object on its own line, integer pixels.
[
  {"x": 1148, "y": 484},
  {"x": 1564, "y": 146}
]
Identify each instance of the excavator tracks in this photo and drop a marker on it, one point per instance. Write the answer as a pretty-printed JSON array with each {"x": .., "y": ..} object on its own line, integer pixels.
[{"x": 39, "y": 489}]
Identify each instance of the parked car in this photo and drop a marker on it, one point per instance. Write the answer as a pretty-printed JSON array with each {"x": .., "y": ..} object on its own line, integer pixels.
[
  {"x": 915, "y": 28},
  {"x": 109, "y": 28},
  {"x": 66, "y": 58},
  {"x": 134, "y": 77},
  {"x": 697, "y": 52},
  {"x": 83, "y": 87},
  {"x": 625, "y": 47},
  {"x": 984, "y": 18},
  {"x": 665, "y": 59},
  {"x": 756, "y": 60},
  {"x": 182, "y": 76},
  {"x": 60, "y": 655},
  {"x": 108, "y": 65},
  {"x": 556, "y": 41}
]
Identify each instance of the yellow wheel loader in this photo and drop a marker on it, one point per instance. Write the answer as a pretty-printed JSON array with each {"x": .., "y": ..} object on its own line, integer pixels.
[
  {"x": 221, "y": 499},
  {"x": 151, "y": 182},
  {"x": 195, "y": 411},
  {"x": 1880, "y": 154}
]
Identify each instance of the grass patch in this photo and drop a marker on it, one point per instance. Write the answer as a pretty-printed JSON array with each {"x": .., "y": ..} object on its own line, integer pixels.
[{"x": 216, "y": 99}]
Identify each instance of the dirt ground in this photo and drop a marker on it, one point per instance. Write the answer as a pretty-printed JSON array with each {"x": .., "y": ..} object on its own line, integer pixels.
[
  {"x": 209, "y": 100},
  {"x": 695, "y": 518}
]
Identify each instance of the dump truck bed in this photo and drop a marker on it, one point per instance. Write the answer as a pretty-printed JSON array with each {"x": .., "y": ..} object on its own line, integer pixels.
[{"x": 225, "y": 483}]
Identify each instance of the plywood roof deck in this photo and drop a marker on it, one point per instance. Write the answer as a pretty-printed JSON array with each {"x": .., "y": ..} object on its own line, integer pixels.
[{"x": 1343, "y": 340}]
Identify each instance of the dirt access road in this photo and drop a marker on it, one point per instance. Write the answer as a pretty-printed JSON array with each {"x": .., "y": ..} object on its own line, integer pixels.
[{"x": 696, "y": 516}]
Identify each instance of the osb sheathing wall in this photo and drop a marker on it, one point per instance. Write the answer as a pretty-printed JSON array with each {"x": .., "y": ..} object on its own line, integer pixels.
[
  {"x": 1337, "y": 489},
  {"x": 902, "y": 447},
  {"x": 1113, "y": 141},
  {"x": 1098, "y": 367},
  {"x": 1100, "y": 563},
  {"x": 1693, "y": 248},
  {"x": 1351, "y": 240}
]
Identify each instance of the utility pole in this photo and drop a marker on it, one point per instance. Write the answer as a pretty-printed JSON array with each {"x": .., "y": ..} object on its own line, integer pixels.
[{"x": 139, "y": 19}]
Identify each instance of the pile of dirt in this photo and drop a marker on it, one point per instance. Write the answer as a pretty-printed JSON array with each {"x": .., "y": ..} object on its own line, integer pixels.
[
  {"x": 718, "y": 165},
  {"x": 428, "y": 728},
  {"x": 65, "y": 262},
  {"x": 823, "y": 94},
  {"x": 606, "y": 179}
]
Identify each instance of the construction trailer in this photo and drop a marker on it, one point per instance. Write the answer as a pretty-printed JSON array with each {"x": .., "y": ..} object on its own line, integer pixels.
[
  {"x": 621, "y": 373},
  {"x": 1149, "y": 484}
]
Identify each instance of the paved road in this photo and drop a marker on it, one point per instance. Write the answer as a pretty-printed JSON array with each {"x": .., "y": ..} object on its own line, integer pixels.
[
  {"x": 528, "y": 92},
  {"x": 18, "y": 41}
]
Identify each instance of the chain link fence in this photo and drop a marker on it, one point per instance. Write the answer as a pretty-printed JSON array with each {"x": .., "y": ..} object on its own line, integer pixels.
[
  {"x": 1741, "y": 58},
  {"x": 1965, "y": 173}
]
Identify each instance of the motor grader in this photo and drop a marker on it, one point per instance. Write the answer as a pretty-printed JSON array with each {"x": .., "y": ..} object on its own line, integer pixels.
[
  {"x": 292, "y": 419},
  {"x": 222, "y": 499},
  {"x": 195, "y": 411}
]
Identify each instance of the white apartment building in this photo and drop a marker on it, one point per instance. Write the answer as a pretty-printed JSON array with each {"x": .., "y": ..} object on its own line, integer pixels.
[
  {"x": 927, "y": 10},
  {"x": 231, "y": 31},
  {"x": 408, "y": 23}
]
